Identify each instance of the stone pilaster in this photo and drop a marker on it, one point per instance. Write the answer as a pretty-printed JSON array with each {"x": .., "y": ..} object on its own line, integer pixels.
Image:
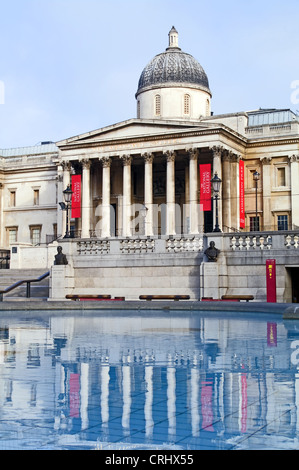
[
  {"x": 266, "y": 182},
  {"x": 294, "y": 162}
]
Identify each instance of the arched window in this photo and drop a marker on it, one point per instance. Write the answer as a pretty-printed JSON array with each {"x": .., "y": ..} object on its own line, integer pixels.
[
  {"x": 158, "y": 105},
  {"x": 187, "y": 104},
  {"x": 207, "y": 108}
]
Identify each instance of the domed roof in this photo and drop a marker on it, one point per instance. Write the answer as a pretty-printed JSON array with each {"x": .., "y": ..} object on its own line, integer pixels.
[{"x": 173, "y": 67}]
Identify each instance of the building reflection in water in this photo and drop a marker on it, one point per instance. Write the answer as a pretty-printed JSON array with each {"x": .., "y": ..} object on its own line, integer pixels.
[{"x": 183, "y": 380}]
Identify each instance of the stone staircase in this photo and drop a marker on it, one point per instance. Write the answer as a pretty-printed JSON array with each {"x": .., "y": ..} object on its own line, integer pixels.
[{"x": 38, "y": 290}]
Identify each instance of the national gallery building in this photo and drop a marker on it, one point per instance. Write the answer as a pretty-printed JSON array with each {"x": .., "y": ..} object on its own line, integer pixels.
[{"x": 175, "y": 172}]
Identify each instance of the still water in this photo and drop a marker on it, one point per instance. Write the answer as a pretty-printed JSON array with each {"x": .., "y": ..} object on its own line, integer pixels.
[{"x": 148, "y": 381}]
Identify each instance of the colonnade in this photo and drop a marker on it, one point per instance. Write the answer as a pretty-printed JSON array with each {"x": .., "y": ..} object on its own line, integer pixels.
[{"x": 223, "y": 163}]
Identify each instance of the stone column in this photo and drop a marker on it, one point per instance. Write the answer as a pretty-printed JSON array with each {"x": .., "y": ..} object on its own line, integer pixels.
[
  {"x": 106, "y": 220},
  {"x": 170, "y": 193},
  {"x": 193, "y": 189},
  {"x": 148, "y": 192},
  {"x": 226, "y": 190},
  {"x": 85, "y": 198},
  {"x": 235, "y": 192},
  {"x": 294, "y": 159},
  {"x": 217, "y": 168},
  {"x": 266, "y": 182},
  {"x": 127, "y": 199}
]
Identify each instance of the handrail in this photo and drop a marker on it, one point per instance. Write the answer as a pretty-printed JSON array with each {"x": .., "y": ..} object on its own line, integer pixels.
[{"x": 19, "y": 283}]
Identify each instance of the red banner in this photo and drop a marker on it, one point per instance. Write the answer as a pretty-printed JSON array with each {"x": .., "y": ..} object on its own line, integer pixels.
[
  {"x": 74, "y": 395},
  {"x": 76, "y": 198},
  {"x": 271, "y": 334},
  {"x": 271, "y": 280},
  {"x": 242, "y": 194},
  {"x": 205, "y": 187}
]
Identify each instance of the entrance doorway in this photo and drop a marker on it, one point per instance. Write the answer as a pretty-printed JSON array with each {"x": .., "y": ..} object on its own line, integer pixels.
[{"x": 294, "y": 276}]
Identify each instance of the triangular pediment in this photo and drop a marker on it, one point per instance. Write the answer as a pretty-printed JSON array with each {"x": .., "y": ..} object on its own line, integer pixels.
[{"x": 132, "y": 128}]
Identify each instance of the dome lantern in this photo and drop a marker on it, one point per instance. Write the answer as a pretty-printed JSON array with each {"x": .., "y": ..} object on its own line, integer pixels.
[{"x": 173, "y": 36}]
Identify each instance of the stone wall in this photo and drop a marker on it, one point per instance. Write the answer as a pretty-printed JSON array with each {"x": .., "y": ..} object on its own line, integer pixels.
[{"x": 130, "y": 267}]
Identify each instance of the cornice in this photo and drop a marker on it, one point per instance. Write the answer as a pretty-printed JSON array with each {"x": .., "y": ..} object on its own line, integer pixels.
[
  {"x": 238, "y": 139},
  {"x": 267, "y": 143}
]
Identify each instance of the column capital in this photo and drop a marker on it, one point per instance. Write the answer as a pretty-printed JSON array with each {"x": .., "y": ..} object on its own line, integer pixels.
[
  {"x": 217, "y": 150},
  {"x": 126, "y": 159},
  {"x": 106, "y": 162},
  {"x": 170, "y": 155},
  {"x": 193, "y": 152},
  {"x": 66, "y": 165},
  {"x": 266, "y": 160},
  {"x": 293, "y": 158},
  {"x": 227, "y": 155},
  {"x": 86, "y": 163},
  {"x": 148, "y": 157}
]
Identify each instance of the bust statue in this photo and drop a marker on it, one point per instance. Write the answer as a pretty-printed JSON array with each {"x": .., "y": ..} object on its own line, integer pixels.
[
  {"x": 212, "y": 252},
  {"x": 60, "y": 258}
]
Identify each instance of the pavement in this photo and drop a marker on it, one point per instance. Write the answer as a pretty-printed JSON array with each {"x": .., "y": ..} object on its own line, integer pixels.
[{"x": 288, "y": 311}]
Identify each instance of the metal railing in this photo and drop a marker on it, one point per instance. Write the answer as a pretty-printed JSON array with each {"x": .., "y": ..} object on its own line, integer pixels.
[{"x": 23, "y": 281}]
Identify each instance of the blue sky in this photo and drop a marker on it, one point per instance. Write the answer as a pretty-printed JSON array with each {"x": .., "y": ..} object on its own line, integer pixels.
[{"x": 72, "y": 66}]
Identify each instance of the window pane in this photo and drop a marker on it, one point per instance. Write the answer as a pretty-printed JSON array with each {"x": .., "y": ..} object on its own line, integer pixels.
[
  {"x": 12, "y": 236},
  {"x": 254, "y": 224},
  {"x": 282, "y": 222},
  {"x": 35, "y": 236}
]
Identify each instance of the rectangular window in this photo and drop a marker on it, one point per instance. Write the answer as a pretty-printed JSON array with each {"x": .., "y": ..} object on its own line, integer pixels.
[
  {"x": 282, "y": 222},
  {"x": 254, "y": 224},
  {"x": 35, "y": 234},
  {"x": 12, "y": 235}
]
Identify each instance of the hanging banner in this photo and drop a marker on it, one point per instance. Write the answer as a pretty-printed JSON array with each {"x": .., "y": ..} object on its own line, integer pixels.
[
  {"x": 76, "y": 198},
  {"x": 271, "y": 280},
  {"x": 242, "y": 194},
  {"x": 271, "y": 334},
  {"x": 205, "y": 187},
  {"x": 74, "y": 395}
]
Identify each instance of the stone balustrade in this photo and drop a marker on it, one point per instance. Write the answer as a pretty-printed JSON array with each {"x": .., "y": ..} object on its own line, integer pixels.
[
  {"x": 240, "y": 242},
  {"x": 139, "y": 245},
  {"x": 251, "y": 242}
]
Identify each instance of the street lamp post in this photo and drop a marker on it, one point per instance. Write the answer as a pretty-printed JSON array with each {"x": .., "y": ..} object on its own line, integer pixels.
[
  {"x": 256, "y": 177},
  {"x": 66, "y": 206},
  {"x": 216, "y": 184}
]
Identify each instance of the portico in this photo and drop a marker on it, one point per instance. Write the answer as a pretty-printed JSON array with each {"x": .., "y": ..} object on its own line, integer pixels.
[{"x": 150, "y": 174}]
